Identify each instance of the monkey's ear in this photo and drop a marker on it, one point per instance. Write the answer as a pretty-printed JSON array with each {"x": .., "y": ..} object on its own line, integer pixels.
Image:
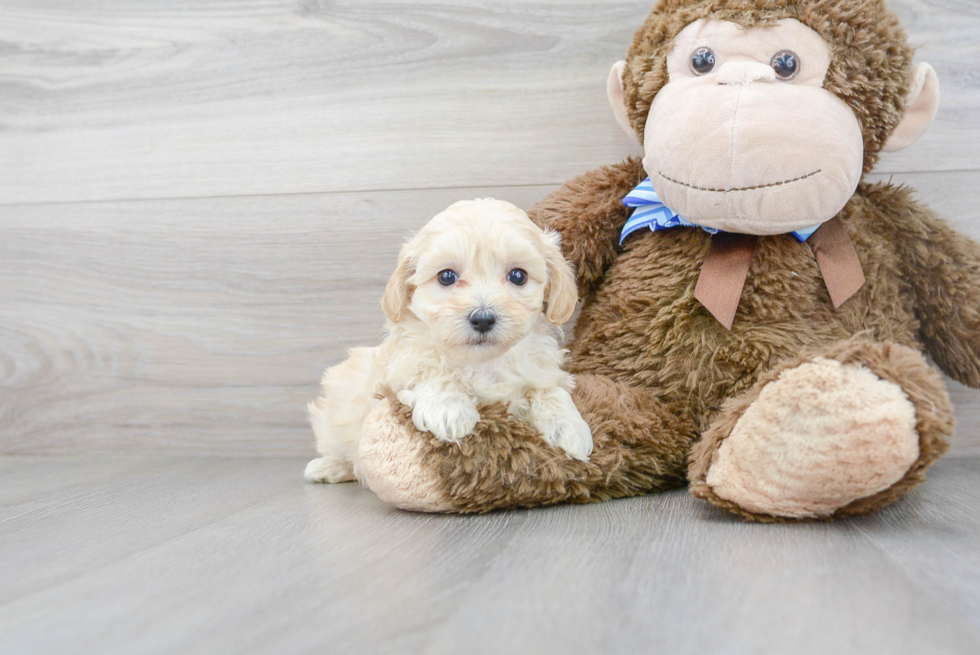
[
  {"x": 614, "y": 89},
  {"x": 920, "y": 109},
  {"x": 396, "y": 297},
  {"x": 561, "y": 294}
]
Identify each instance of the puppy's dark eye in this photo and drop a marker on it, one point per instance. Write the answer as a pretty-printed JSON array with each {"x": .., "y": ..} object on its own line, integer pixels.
[
  {"x": 703, "y": 61},
  {"x": 448, "y": 277},
  {"x": 517, "y": 276},
  {"x": 786, "y": 64}
]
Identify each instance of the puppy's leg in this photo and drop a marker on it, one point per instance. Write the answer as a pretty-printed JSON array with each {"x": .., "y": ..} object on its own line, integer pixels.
[
  {"x": 334, "y": 465},
  {"x": 552, "y": 411},
  {"x": 447, "y": 413},
  {"x": 337, "y": 417}
]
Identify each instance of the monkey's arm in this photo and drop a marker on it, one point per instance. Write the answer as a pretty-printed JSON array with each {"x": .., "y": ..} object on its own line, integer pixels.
[
  {"x": 589, "y": 214},
  {"x": 944, "y": 268}
]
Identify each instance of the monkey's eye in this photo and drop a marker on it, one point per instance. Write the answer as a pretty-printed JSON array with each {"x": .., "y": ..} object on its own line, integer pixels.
[
  {"x": 703, "y": 61},
  {"x": 448, "y": 277},
  {"x": 786, "y": 64},
  {"x": 517, "y": 276}
]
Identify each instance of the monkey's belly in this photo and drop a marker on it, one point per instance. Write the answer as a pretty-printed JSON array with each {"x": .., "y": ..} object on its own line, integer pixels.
[{"x": 644, "y": 327}]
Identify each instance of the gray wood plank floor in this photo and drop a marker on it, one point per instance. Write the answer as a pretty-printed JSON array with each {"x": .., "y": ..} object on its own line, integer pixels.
[{"x": 217, "y": 555}]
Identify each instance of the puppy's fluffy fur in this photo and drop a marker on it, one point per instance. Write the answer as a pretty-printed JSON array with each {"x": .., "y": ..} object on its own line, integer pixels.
[{"x": 438, "y": 357}]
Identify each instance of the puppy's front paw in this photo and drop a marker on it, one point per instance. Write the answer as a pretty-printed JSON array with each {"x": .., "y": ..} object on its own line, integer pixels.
[
  {"x": 570, "y": 433},
  {"x": 447, "y": 418}
]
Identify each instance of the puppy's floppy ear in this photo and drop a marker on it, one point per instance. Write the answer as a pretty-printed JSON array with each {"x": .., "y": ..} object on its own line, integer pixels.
[
  {"x": 397, "y": 295},
  {"x": 561, "y": 293}
]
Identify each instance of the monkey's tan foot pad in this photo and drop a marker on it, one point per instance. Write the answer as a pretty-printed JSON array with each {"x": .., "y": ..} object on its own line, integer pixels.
[
  {"x": 394, "y": 463},
  {"x": 826, "y": 437}
]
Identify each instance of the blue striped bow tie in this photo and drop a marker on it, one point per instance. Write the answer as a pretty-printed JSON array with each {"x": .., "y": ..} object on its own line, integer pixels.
[{"x": 651, "y": 212}]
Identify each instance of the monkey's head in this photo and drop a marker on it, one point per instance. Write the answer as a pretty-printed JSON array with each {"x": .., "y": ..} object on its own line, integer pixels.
[{"x": 761, "y": 116}]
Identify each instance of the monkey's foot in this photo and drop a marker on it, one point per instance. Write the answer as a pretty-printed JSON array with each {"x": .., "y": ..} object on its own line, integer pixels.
[
  {"x": 842, "y": 433},
  {"x": 394, "y": 461}
]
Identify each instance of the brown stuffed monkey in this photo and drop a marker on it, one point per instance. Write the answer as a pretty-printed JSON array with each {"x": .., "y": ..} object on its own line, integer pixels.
[{"x": 755, "y": 326}]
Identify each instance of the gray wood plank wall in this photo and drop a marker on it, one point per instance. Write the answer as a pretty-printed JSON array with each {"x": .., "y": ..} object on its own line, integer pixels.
[{"x": 200, "y": 201}]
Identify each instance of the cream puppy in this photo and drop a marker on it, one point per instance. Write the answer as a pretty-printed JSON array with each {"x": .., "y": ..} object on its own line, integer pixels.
[{"x": 472, "y": 311}]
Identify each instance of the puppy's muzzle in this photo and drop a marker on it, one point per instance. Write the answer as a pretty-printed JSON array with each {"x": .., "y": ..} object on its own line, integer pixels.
[{"x": 482, "y": 320}]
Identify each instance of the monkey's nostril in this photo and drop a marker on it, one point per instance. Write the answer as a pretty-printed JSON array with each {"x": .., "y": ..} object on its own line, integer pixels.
[{"x": 482, "y": 320}]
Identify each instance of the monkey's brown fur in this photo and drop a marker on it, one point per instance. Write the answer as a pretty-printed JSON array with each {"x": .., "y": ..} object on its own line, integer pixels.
[
  {"x": 506, "y": 464},
  {"x": 656, "y": 372}
]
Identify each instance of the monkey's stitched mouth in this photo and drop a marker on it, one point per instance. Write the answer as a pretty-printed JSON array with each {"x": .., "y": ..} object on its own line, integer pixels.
[{"x": 744, "y": 188}]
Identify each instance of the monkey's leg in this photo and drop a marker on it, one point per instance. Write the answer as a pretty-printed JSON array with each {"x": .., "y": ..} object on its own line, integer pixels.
[
  {"x": 640, "y": 447},
  {"x": 844, "y": 431}
]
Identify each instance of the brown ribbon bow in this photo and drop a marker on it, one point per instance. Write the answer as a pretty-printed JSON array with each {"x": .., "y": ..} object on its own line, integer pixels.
[{"x": 726, "y": 266}]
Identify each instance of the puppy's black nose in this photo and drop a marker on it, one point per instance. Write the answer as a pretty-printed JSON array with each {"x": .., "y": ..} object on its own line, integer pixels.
[{"x": 482, "y": 320}]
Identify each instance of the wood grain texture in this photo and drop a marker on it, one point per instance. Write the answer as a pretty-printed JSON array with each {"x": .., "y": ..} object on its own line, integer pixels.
[
  {"x": 241, "y": 97},
  {"x": 202, "y": 326},
  {"x": 219, "y": 556},
  {"x": 191, "y": 326},
  {"x": 935, "y": 538}
]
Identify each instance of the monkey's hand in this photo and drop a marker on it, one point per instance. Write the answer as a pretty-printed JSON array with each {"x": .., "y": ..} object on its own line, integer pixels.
[{"x": 944, "y": 268}]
